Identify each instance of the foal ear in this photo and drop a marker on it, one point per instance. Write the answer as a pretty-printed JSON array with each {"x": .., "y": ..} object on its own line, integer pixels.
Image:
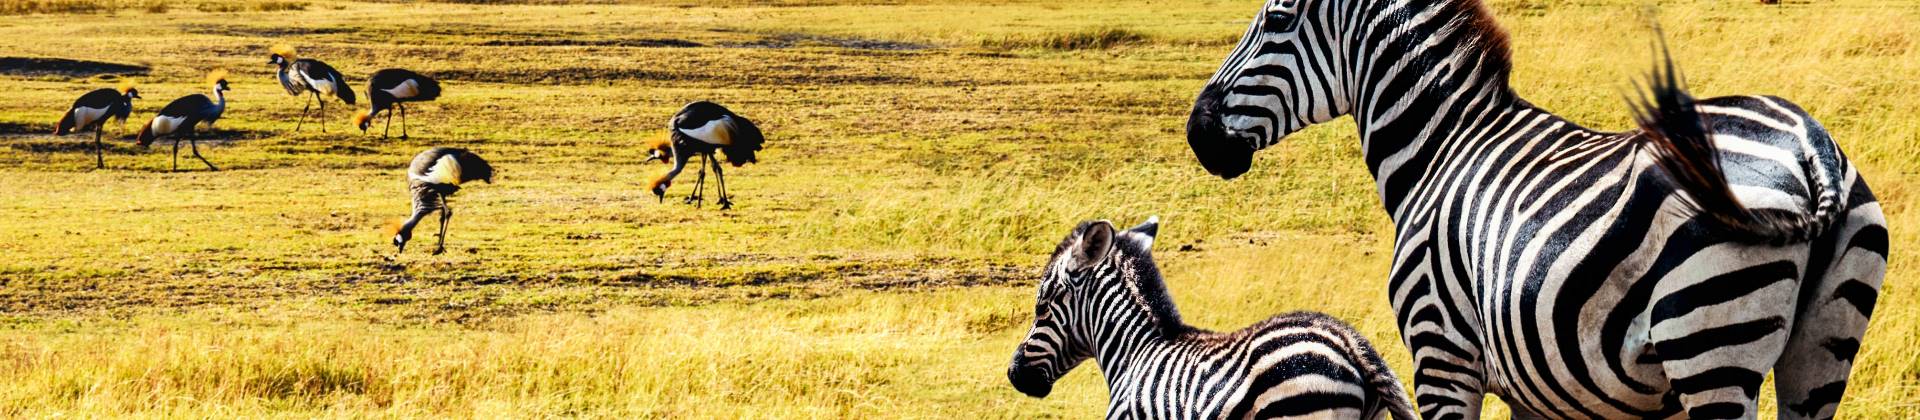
[
  {"x": 1146, "y": 231},
  {"x": 1090, "y": 246}
]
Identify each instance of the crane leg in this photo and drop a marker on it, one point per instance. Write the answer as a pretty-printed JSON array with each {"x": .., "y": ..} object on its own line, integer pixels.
[
  {"x": 446, "y": 215},
  {"x": 389, "y": 129},
  {"x": 403, "y": 120},
  {"x": 99, "y": 153},
  {"x": 195, "y": 144},
  {"x": 176, "y": 154},
  {"x": 699, "y": 184},
  {"x": 725, "y": 202},
  {"x": 321, "y": 119},
  {"x": 303, "y": 115}
]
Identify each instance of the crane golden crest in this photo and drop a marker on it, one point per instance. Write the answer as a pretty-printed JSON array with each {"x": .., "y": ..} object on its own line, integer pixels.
[{"x": 215, "y": 76}]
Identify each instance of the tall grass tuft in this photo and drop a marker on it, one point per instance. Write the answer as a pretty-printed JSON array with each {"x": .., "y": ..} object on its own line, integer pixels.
[
  {"x": 30, "y": 7},
  {"x": 83, "y": 7},
  {"x": 1086, "y": 39}
]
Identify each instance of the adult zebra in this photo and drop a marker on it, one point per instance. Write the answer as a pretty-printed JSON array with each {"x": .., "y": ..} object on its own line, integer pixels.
[
  {"x": 1102, "y": 298},
  {"x": 1654, "y": 273}
]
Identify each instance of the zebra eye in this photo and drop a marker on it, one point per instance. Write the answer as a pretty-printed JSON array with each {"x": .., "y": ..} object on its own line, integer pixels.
[{"x": 1280, "y": 21}]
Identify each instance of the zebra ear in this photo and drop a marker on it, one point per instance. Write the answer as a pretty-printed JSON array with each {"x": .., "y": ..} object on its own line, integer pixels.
[
  {"x": 1146, "y": 231},
  {"x": 1090, "y": 246}
]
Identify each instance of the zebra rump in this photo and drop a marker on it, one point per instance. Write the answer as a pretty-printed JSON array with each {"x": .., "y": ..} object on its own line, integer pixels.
[
  {"x": 1682, "y": 140},
  {"x": 1102, "y": 298}
]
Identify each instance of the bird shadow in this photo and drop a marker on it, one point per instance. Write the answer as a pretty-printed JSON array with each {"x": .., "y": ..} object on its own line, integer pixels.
[
  {"x": 8, "y": 128},
  {"x": 43, "y": 66},
  {"x": 77, "y": 145},
  {"x": 35, "y": 138}
]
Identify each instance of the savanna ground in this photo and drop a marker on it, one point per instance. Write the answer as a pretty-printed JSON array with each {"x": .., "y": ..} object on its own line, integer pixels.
[{"x": 923, "y": 158}]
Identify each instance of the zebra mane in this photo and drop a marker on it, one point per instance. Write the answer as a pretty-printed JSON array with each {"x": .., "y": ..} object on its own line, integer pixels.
[
  {"x": 1475, "y": 33},
  {"x": 1146, "y": 288},
  {"x": 1487, "y": 34}
]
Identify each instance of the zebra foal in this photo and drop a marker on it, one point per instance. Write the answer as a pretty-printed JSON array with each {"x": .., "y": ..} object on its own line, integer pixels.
[
  {"x": 1655, "y": 273},
  {"x": 1102, "y": 297}
]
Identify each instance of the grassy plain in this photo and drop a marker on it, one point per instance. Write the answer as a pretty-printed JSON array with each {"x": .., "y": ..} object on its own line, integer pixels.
[{"x": 923, "y": 157}]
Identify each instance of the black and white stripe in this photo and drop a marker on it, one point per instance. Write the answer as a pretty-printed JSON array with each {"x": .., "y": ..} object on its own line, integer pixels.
[
  {"x": 1576, "y": 274},
  {"x": 183, "y": 116},
  {"x": 92, "y": 111},
  {"x": 435, "y": 174},
  {"x": 306, "y": 76},
  {"x": 1102, "y": 297},
  {"x": 394, "y": 88}
]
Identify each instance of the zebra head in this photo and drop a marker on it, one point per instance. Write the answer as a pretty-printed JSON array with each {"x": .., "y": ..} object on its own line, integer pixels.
[
  {"x": 1065, "y": 317},
  {"x": 1284, "y": 75}
]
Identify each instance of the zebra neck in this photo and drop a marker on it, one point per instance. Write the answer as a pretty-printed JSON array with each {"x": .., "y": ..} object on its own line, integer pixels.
[
  {"x": 1135, "y": 314},
  {"x": 1426, "y": 77}
]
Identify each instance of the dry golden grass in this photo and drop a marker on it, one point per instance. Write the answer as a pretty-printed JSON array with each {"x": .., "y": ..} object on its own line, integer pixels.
[{"x": 923, "y": 156}]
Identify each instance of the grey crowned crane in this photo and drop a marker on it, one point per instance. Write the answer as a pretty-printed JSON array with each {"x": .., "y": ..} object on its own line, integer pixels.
[
  {"x": 435, "y": 174},
  {"x": 92, "y": 111},
  {"x": 701, "y": 128},
  {"x": 303, "y": 76},
  {"x": 180, "y": 117},
  {"x": 394, "y": 88}
]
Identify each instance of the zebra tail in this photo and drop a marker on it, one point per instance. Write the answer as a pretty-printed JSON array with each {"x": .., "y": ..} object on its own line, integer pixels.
[
  {"x": 1384, "y": 390},
  {"x": 1682, "y": 144},
  {"x": 1389, "y": 395}
]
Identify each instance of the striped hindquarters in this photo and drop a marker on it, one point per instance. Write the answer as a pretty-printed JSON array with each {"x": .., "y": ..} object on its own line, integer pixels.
[{"x": 1310, "y": 364}]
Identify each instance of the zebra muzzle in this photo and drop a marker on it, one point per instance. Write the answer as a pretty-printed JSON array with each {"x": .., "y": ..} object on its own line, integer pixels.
[
  {"x": 1222, "y": 153},
  {"x": 1030, "y": 381}
]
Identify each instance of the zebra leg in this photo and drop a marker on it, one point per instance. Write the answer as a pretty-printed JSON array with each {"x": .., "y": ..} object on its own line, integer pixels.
[
  {"x": 1835, "y": 304},
  {"x": 1448, "y": 377},
  {"x": 1521, "y": 413},
  {"x": 1719, "y": 322}
]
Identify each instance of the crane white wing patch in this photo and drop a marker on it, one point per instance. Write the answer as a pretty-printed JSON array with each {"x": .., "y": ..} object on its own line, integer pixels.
[
  {"x": 719, "y": 131},
  {"x": 163, "y": 125},
  {"x": 446, "y": 170},
  {"x": 323, "y": 85},
  {"x": 83, "y": 116},
  {"x": 404, "y": 90}
]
